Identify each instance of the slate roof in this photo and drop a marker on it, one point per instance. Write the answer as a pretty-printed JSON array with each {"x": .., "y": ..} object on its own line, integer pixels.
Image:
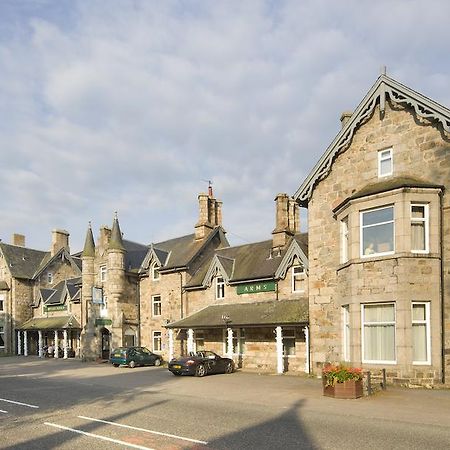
[
  {"x": 57, "y": 294},
  {"x": 284, "y": 312},
  {"x": 50, "y": 323},
  {"x": 389, "y": 185},
  {"x": 23, "y": 262},
  {"x": 183, "y": 249},
  {"x": 255, "y": 261},
  {"x": 134, "y": 255}
]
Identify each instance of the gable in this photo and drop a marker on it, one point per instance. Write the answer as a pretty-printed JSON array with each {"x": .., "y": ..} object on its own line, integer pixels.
[{"x": 385, "y": 88}]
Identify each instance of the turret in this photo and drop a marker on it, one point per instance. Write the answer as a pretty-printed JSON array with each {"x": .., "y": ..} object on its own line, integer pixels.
[
  {"x": 88, "y": 272},
  {"x": 116, "y": 264}
]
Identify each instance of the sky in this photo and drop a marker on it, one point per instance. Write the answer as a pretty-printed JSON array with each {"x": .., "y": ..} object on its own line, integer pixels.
[{"x": 133, "y": 105}]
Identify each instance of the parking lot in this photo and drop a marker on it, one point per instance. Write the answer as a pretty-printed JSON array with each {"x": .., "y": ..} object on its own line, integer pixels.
[{"x": 69, "y": 404}]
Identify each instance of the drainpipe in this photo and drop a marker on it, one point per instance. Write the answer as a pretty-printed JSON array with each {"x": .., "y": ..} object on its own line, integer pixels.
[
  {"x": 441, "y": 232},
  {"x": 138, "y": 299},
  {"x": 181, "y": 296}
]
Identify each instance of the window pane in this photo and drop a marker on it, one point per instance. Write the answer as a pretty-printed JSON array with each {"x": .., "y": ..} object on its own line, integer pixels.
[
  {"x": 377, "y": 216},
  {"x": 418, "y": 236},
  {"x": 385, "y": 166},
  {"x": 379, "y": 313},
  {"x": 378, "y": 239},
  {"x": 379, "y": 343},
  {"x": 419, "y": 342},
  {"x": 289, "y": 346},
  {"x": 418, "y": 212},
  {"x": 419, "y": 312}
]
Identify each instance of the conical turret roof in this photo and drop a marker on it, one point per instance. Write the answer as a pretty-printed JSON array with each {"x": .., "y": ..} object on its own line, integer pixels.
[
  {"x": 89, "y": 245},
  {"x": 116, "y": 242}
]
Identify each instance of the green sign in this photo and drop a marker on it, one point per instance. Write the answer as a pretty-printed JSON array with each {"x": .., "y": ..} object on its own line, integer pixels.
[
  {"x": 55, "y": 308},
  {"x": 103, "y": 322},
  {"x": 256, "y": 288}
]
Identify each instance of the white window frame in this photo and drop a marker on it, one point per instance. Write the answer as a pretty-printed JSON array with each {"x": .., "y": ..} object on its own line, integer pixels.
[
  {"x": 157, "y": 335},
  {"x": 382, "y": 158},
  {"x": 50, "y": 277},
  {"x": 346, "y": 333},
  {"x": 345, "y": 240},
  {"x": 103, "y": 273},
  {"x": 297, "y": 271},
  {"x": 2, "y": 333},
  {"x": 155, "y": 273},
  {"x": 394, "y": 323},
  {"x": 427, "y": 324},
  {"x": 363, "y": 227},
  {"x": 426, "y": 222},
  {"x": 220, "y": 288},
  {"x": 2, "y": 302},
  {"x": 156, "y": 302}
]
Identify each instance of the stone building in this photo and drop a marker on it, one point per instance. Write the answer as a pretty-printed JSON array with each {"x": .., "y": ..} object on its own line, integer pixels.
[
  {"x": 38, "y": 296},
  {"x": 250, "y": 302},
  {"x": 379, "y": 238}
]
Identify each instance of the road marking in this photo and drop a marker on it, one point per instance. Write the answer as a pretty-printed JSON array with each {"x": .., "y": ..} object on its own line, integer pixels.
[
  {"x": 5, "y": 412},
  {"x": 97, "y": 436},
  {"x": 18, "y": 403},
  {"x": 144, "y": 430}
]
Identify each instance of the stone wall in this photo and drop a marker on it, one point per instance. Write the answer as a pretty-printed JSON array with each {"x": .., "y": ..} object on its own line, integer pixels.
[{"x": 419, "y": 151}]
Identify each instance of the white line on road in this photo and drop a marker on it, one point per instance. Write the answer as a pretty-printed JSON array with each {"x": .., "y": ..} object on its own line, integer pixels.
[
  {"x": 144, "y": 430},
  {"x": 97, "y": 436},
  {"x": 5, "y": 412},
  {"x": 18, "y": 403}
]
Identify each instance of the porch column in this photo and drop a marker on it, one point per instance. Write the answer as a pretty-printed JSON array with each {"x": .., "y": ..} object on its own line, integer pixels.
[
  {"x": 229, "y": 342},
  {"x": 41, "y": 353},
  {"x": 65, "y": 344},
  {"x": 170, "y": 344},
  {"x": 279, "y": 341},
  {"x": 19, "y": 343},
  {"x": 25, "y": 343},
  {"x": 190, "y": 341},
  {"x": 306, "y": 331},
  {"x": 55, "y": 352}
]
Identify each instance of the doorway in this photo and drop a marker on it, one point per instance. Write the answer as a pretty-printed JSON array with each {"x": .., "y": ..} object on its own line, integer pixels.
[{"x": 106, "y": 338}]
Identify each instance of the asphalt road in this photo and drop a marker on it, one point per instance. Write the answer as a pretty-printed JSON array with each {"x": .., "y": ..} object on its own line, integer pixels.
[{"x": 67, "y": 404}]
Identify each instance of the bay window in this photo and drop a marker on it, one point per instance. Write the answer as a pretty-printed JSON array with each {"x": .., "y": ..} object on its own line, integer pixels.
[
  {"x": 378, "y": 333},
  {"x": 157, "y": 347},
  {"x": 346, "y": 332}
]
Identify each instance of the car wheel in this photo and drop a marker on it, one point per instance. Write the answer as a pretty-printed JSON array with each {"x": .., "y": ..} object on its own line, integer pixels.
[
  {"x": 200, "y": 371},
  {"x": 157, "y": 362},
  {"x": 116, "y": 365},
  {"x": 132, "y": 364},
  {"x": 229, "y": 368}
]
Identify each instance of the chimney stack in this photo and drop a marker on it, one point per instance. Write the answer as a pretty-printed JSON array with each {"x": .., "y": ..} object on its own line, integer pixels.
[
  {"x": 287, "y": 220},
  {"x": 105, "y": 236},
  {"x": 18, "y": 239},
  {"x": 210, "y": 214},
  {"x": 345, "y": 117},
  {"x": 60, "y": 239}
]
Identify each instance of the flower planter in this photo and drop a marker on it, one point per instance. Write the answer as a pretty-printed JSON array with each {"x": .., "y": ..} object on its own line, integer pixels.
[{"x": 347, "y": 389}]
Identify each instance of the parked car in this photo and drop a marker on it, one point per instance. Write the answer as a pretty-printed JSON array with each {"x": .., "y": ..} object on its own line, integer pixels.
[
  {"x": 134, "y": 356},
  {"x": 201, "y": 364}
]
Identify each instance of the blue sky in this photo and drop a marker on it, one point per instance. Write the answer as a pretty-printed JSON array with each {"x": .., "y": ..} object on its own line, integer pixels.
[{"x": 129, "y": 105}]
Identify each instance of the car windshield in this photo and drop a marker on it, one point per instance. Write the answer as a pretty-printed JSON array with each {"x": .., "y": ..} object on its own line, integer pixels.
[
  {"x": 119, "y": 351},
  {"x": 206, "y": 354}
]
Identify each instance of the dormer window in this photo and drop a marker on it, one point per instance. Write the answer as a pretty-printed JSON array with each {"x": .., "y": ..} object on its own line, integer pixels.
[
  {"x": 50, "y": 277},
  {"x": 385, "y": 163},
  {"x": 155, "y": 273},
  {"x": 103, "y": 272},
  {"x": 220, "y": 288}
]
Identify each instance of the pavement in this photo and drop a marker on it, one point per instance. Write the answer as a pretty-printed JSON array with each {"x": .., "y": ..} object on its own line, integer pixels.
[{"x": 241, "y": 410}]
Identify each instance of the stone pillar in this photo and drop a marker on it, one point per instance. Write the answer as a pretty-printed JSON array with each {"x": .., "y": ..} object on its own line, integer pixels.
[
  {"x": 170, "y": 344},
  {"x": 229, "y": 342},
  {"x": 190, "y": 340},
  {"x": 279, "y": 341},
  {"x": 65, "y": 344},
  {"x": 55, "y": 352},
  {"x": 306, "y": 331},
  {"x": 25, "y": 343},
  {"x": 40, "y": 346},
  {"x": 19, "y": 343}
]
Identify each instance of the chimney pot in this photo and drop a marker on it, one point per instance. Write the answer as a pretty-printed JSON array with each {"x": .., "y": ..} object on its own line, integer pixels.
[{"x": 60, "y": 239}]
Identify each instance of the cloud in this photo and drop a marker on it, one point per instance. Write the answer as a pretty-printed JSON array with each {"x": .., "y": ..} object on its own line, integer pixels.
[{"x": 130, "y": 105}]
